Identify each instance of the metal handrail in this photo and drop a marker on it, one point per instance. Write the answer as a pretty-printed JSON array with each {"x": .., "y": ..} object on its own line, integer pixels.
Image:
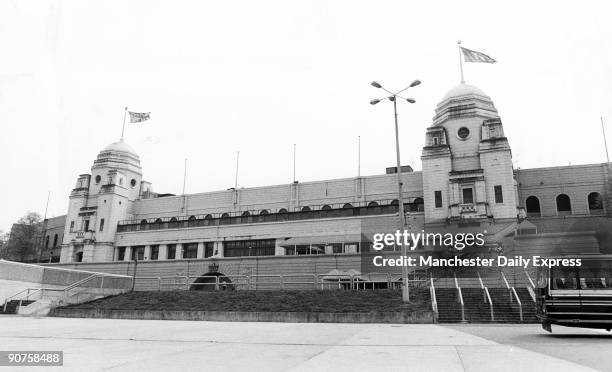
[
  {"x": 483, "y": 288},
  {"x": 460, "y": 298},
  {"x": 507, "y": 285},
  {"x": 434, "y": 302},
  {"x": 490, "y": 303},
  {"x": 518, "y": 300}
]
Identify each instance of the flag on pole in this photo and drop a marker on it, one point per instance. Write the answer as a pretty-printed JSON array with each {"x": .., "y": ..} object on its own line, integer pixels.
[
  {"x": 137, "y": 117},
  {"x": 474, "y": 56}
]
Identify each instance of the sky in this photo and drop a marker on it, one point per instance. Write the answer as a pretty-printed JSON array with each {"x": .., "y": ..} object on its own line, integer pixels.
[{"x": 259, "y": 76}]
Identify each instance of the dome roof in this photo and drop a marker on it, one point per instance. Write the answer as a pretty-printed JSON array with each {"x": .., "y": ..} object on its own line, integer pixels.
[
  {"x": 464, "y": 90},
  {"x": 120, "y": 146}
]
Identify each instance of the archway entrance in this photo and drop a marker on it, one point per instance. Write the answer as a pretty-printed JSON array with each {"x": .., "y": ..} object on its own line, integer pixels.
[{"x": 207, "y": 282}]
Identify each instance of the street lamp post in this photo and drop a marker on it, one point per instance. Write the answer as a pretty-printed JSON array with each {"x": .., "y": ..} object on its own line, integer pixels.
[{"x": 393, "y": 98}]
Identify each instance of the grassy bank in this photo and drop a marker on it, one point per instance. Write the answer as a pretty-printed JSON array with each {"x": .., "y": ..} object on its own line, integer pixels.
[{"x": 265, "y": 301}]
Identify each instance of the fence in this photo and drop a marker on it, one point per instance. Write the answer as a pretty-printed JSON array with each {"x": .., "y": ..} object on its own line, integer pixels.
[{"x": 275, "y": 282}]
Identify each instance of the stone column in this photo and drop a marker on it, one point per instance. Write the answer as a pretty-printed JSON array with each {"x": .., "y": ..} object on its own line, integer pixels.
[
  {"x": 128, "y": 254},
  {"x": 218, "y": 247},
  {"x": 116, "y": 253},
  {"x": 200, "y": 250},
  {"x": 147, "y": 252},
  {"x": 163, "y": 252},
  {"x": 179, "y": 251}
]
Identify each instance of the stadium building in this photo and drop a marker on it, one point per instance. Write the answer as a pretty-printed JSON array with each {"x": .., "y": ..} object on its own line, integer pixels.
[{"x": 467, "y": 183}]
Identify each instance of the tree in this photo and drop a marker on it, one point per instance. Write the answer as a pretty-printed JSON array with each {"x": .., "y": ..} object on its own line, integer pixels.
[
  {"x": 24, "y": 240},
  {"x": 4, "y": 237}
]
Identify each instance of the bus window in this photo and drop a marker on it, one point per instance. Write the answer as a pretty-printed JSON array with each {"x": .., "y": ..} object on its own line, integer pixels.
[
  {"x": 563, "y": 277},
  {"x": 595, "y": 274}
]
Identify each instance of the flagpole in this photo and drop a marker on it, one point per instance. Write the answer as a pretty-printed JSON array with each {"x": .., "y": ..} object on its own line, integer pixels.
[
  {"x": 358, "y": 156},
  {"x": 294, "y": 163},
  {"x": 237, "y": 162},
  {"x": 603, "y": 129},
  {"x": 123, "y": 128},
  {"x": 460, "y": 61}
]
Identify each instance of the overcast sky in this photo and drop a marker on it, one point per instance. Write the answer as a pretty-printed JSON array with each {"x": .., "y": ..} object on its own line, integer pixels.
[{"x": 259, "y": 76}]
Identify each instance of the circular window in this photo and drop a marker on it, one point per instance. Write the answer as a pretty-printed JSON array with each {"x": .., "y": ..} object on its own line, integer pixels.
[
  {"x": 463, "y": 133},
  {"x": 98, "y": 178},
  {"x": 133, "y": 182}
]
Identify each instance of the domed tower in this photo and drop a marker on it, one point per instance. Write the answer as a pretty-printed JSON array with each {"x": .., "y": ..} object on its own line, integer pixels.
[
  {"x": 99, "y": 201},
  {"x": 467, "y": 162}
]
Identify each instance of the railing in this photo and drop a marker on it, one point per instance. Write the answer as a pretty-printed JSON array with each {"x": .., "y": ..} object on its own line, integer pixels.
[
  {"x": 273, "y": 282},
  {"x": 503, "y": 276},
  {"x": 63, "y": 293},
  {"x": 460, "y": 298},
  {"x": 487, "y": 296},
  {"x": 434, "y": 302},
  {"x": 531, "y": 287},
  {"x": 518, "y": 301},
  {"x": 513, "y": 295},
  {"x": 467, "y": 208}
]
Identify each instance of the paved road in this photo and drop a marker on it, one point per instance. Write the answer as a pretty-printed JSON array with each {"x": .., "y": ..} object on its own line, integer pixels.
[{"x": 151, "y": 345}]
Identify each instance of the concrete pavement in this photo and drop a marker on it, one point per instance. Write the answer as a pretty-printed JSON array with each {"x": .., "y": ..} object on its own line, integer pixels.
[{"x": 131, "y": 345}]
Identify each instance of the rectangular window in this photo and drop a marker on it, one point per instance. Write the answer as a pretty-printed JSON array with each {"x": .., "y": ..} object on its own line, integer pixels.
[
  {"x": 120, "y": 253},
  {"x": 138, "y": 253},
  {"x": 102, "y": 224},
  {"x": 237, "y": 248},
  {"x": 499, "y": 196},
  {"x": 190, "y": 250},
  {"x": 468, "y": 196},
  {"x": 209, "y": 249},
  {"x": 438, "y": 199},
  {"x": 86, "y": 226},
  {"x": 154, "y": 252},
  {"x": 171, "y": 251},
  {"x": 71, "y": 226}
]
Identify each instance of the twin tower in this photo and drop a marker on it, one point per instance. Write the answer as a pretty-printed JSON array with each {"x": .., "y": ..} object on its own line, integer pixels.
[{"x": 467, "y": 175}]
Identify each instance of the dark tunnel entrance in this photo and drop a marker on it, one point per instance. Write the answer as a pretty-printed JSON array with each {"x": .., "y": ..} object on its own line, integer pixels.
[{"x": 207, "y": 282}]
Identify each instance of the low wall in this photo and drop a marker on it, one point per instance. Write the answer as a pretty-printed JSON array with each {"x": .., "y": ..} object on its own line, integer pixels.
[{"x": 419, "y": 317}]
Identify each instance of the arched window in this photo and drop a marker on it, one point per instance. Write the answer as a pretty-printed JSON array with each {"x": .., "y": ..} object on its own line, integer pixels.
[
  {"x": 173, "y": 223},
  {"x": 47, "y": 242},
  {"x": 208, "y": 217},
  {"x": 419, "y": 204},
  {"x": 192, "y": 221},
  {"x": 564, "y": 205},
  {"x": 595, "y": 202},
  {"x": 347, "y": 206},
  {"x": 533, "y": 206},
  {"x": 246, "y": 214},
  {"x": 143, "y": 222},
  {"x": 306, "y": 209},
  {"x": 55, "y": 241},
  {"x": 264, "y": 212},
  {"x": 372, "y": 204},
  {"x": 225, "y": 215},
  {"x": 326, "y": 207},
  {"x": 394, "y": 202},
  {"x": 282, "y": 210}
]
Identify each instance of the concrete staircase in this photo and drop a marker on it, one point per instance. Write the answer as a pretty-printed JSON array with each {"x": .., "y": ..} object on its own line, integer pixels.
[
  {"x": 476, "y": 310},
  {"x": 13, "y": 306}
]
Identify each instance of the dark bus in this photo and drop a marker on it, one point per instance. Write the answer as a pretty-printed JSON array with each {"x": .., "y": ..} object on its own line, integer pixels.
[{"x": 576, "y": 296}]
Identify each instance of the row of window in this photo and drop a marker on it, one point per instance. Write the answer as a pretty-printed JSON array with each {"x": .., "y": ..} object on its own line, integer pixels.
[
  {"x": 86, "y": 225},
  {"x": 55, "y": 241},
  {"x": 564, "y": 204},
  {"x": 190, "y": 250},
  {"x": 373, "y": 208},
  {"x": 467, "y": 194}
]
